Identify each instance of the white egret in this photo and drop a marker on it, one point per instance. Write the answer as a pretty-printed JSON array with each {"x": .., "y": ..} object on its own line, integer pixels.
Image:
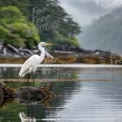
[{"x": 31, "y": 64}]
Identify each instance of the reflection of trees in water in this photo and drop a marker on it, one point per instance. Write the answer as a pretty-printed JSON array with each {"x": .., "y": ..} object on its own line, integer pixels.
[
  {"x": 108, "y": 91},
  {"x": 8, "y": 72},
  {"x": 25, "y": 95},
  {"x": 56, "y": 73},
  {"x": 63, "y": 90},
  {"x": 43, "y": 72}
]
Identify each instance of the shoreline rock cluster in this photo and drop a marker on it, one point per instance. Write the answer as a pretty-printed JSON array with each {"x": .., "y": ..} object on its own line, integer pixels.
[
  {"x": 66, "y": 54},
  {"x": 22, "y": 95}
]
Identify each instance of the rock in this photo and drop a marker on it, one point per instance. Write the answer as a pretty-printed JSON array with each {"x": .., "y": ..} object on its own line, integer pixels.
[
  {"x": 65, "y": 53},
  {"x": 25, "y": 94},
  {"x": 101, "y": 53},
  {"x": 68, "y": 47},
  {"x": 6, "y": 94}
]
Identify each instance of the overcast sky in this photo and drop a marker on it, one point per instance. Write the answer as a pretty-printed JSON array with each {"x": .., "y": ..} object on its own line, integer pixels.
[{"x": 84, "y": 11}]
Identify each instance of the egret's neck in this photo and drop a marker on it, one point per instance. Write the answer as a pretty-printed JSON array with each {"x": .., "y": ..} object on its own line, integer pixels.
[{"x": 42, "y": 55}]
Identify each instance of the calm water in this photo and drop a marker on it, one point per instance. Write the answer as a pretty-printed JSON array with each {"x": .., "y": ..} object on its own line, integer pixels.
[{"x": 82, "y": 95}]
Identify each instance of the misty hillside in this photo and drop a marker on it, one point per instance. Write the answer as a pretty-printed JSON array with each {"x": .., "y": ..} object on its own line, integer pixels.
[{"x": 104, "y": 33}]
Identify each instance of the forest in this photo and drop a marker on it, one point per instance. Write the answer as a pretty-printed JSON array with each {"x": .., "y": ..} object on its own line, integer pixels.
[
  {"x": 25, "y": 23},
  {"x": 104, "y": 33}
]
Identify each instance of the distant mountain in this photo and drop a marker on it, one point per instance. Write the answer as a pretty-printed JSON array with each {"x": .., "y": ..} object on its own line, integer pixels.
[{"x": 104, "y": 33}]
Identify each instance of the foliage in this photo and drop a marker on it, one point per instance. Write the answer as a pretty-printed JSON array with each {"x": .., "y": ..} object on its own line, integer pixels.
[
  {"x": 52, "y": 22},
  {"x": 21, "y": 4},
  {"x": 14, "y": 28},
  {"x": 10, "y": 15},
  {"x": 65, "y": 26},
  {"x": 3, "y": 32},
  {"x": 74, "y": 41}
]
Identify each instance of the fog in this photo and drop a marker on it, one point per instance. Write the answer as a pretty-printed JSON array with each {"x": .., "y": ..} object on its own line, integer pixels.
[{"x": 85, "y": 11}]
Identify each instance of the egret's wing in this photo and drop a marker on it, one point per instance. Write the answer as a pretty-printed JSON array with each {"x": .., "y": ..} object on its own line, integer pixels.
[
  {"x": 48, "y": 54},
  {"x": 27, "y": 66}
]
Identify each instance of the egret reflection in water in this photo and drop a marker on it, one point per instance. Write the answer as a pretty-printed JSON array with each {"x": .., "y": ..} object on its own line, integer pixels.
[
  {"x": 25, "y": 118},
  {"x": 90, "y": 100}
]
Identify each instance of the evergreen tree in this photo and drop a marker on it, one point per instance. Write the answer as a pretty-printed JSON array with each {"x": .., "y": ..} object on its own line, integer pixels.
[{"x": 51, "y": 20}]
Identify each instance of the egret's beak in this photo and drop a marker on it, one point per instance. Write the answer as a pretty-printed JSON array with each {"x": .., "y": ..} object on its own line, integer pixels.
[{"x": 48, "y": 44}]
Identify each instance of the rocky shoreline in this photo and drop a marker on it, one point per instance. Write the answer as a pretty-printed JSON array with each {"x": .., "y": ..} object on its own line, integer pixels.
[
  {"x": 39, "y": 95},
  {"x": 66, "y": 54}
]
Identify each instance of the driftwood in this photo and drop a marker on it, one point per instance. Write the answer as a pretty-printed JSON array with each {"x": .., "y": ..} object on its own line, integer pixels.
[
  {"x": 27, "y": 51},
  {"x": 18, "y": 51},
  {"x": 25, "y": 94},
  {"x": 70, "y": 54},
  {"x": 13, "y": 48},
  {"x": 8, "y": 50},
  {"x": 4, "y": 51}
]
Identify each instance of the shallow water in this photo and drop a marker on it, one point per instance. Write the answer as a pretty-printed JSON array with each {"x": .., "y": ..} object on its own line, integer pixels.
[{"x": 83, "y": 94}]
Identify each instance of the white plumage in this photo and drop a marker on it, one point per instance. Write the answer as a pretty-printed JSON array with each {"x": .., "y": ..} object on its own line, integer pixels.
[
  {"x": 31, "y": 64},
  {"x": 25, "y": 118}
]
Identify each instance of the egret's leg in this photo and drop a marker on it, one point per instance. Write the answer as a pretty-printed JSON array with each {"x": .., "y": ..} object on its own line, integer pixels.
[
  {"x": 28, "y": 78},
  {"x": 33, "y": 110},
  {"x": 33, "y": 78},
  {"x": 28, "y": 110}
]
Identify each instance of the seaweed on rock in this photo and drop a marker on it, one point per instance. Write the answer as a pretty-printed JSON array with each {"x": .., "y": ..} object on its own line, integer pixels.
[{"x": 25, "y": 94}]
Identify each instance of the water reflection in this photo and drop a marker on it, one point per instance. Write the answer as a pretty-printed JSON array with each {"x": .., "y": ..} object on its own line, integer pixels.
[
  {"x": 41, "y": 73},
  {"x": 40, "y": 109},
  {"x": 25, "y": 118},
  {"x": 86, "y": 101}
]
